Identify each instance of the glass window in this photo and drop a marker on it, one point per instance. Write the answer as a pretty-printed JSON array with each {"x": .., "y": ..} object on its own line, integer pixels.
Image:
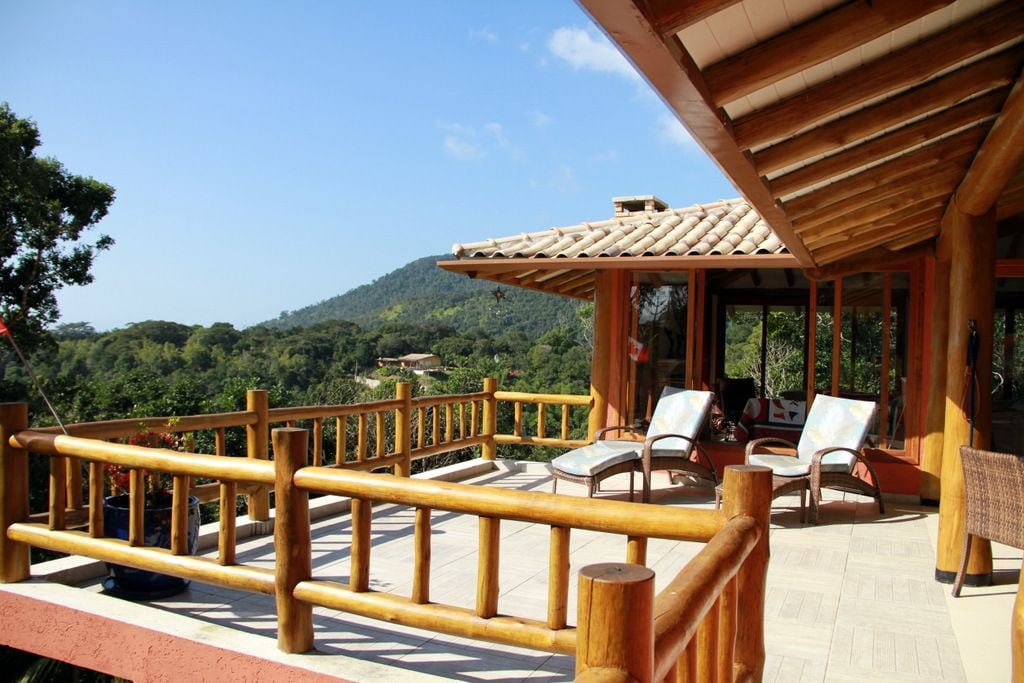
[{"x": 657, "y": 344}]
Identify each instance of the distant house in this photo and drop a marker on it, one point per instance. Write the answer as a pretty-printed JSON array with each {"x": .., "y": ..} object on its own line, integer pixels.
[{"x": 417, "y": 362}]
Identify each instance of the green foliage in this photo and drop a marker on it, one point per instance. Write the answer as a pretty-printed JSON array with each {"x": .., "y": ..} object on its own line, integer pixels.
[
  {"x": 44, "y": 211},
  {"x": 420, "y": 292}
]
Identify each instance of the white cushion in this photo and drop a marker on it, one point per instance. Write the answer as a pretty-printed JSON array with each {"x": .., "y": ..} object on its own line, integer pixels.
[
  {"x": 790, "y": 465},
  {"x": 679, "y": 411},
  {"x": 590, "y": 460}
]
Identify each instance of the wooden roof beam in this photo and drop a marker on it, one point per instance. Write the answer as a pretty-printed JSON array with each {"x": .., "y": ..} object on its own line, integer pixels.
[
  {"x": 997, "y": 160},
  {"x": 964, "y": 114},
  {"x": 670, "y": 69},
  {"x": 992, "y": 72},
  {"x": 873, "y": 260},
  {"x": 672, "y": 16},
  {"x": 952, "y": 150},
  {"x": 817, "y": 40},
  {"x": 881, "y": 234},
  {"x": 941, "y": 185},
  {"x": 897, "y": 70},
  {"x": 949, "y": 175},
  {"x": 854, "y": 231}
]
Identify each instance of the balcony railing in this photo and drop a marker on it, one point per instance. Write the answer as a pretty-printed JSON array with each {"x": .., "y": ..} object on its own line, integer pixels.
[{"x": 688, "y": 632}]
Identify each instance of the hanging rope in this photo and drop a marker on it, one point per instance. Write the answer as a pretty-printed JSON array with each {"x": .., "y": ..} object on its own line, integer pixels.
[{"x": 31, "y": 373}]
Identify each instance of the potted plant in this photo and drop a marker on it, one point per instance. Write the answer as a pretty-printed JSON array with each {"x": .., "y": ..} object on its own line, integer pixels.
[{"x": 138, "y": 584}]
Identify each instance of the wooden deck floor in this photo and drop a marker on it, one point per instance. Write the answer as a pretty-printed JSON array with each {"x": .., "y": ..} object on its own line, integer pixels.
[{"x": 851, "y": 599}]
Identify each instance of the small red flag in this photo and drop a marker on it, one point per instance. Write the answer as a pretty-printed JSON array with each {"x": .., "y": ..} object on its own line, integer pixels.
[{"x": 3, "y": 328}]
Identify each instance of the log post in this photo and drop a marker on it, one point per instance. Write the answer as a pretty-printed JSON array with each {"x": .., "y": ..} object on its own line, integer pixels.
[
  {"x": 489, "y": 449},
  {"x": 14, "y": 557},
  {"x": 615, "y": 623},
  {"x": 972, "y": 240},
  {"x": 257, "y": 401},
  {"x": 558, "y": 577},
  {"x": 228, "y": 531},
  {"x": 937, "y": 291},
  {"x": 600, "y": 363},
  {"x": 403, "y": 429},
  {"x": 487, "y": 587},
  {"x": 1017, "y": 635},
  {"x": 748, "y": 491},
  {"x": 292, "y": 542}
]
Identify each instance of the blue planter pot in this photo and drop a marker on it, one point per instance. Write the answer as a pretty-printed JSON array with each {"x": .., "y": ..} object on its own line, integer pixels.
[{"x": 138, "y": 584}]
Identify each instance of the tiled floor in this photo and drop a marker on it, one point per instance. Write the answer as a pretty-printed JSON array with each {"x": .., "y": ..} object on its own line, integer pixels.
[{"x": 851, "y": 599}]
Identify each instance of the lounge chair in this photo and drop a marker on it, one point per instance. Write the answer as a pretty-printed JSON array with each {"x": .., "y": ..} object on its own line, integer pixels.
[
  {"x": 669, "y": 444},
  {"x": 829, "y": 448},
  {"x": 994, "y": 489}
]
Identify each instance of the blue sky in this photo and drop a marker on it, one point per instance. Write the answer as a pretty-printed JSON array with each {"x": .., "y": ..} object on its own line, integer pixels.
[{"x": 267, "y": 156}]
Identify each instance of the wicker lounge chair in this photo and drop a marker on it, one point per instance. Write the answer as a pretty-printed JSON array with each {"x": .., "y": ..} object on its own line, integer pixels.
[
  {"x": 669, "y": 444},
  {"x": 829, "y": 449},
  {"x": 994, "y": 487}
]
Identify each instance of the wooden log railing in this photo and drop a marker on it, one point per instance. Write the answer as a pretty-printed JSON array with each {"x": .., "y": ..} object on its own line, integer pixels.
[
  {"x": 541, "y": 403},
  {"x": 695, "y": 630}
]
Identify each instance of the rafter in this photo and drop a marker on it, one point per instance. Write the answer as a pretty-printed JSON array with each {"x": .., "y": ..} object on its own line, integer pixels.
[
  {"x": 1011, "y": 201},
  {"x": 992, "y": 72},
  {"x": 855, "y": 235},
  {"x": 812, "y": 42},
  {"x": 926, "y": 129},
  {"x": 872, "y": 260},
  {"x": 949, "y": 175},
  {"x": 897, "y": 70},
  {"x": 947, "y": 151},
  {"x": 831, "y": 223},
  {"x": 887, "y": 231},
  {"x": 672, "y": 16},
  {"x": 997, "y": 160}
]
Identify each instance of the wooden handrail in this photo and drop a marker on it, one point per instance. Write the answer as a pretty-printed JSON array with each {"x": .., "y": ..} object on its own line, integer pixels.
[
  {"x": 617, "y": 517},
  {"x": 292, "y": 414},
  {"x": 116, "y": 429},
  {"x": 554, "y": 399}
]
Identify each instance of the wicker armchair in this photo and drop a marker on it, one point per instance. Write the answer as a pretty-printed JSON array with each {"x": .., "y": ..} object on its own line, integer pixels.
[{"x": 994, "y": 487}]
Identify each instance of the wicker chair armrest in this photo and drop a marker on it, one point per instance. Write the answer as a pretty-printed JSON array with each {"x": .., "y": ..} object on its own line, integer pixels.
[
  {"x": 702, "y": 455},
  {"x": 757, "y": 443},
  {"x": 818, "y": 455},
  {"x": 600, "y": 433}
]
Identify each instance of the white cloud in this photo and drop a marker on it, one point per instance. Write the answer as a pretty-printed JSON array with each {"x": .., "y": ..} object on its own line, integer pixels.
[
  {"x": 498, "y": 132},
  {"x": 671, "y": 131},
  {"x": 462, "y": 150},
  {"x": 484, "y": 34},
  {"x": 539, "y": 118},
  {"x": 584, "y": 50},
  {"x": 564, "y": 179}
]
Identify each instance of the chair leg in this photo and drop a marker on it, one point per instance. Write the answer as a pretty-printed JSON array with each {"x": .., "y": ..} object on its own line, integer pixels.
[
  {"x": 803, "y": 506},
  {"x": 815, "y": 504},
  {"x": 591, "y": 485},
  {"x": 554, "y": 483},
  {"x": 632, "y": 473},
  {"x": 962, "y": 572}
]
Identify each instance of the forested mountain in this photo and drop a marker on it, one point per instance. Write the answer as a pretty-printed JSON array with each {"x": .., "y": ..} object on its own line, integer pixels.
[{"x": 421, "y": 292}]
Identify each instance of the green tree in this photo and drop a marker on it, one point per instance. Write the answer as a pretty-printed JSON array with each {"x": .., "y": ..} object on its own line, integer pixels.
[{"x": 44, "y": 211}]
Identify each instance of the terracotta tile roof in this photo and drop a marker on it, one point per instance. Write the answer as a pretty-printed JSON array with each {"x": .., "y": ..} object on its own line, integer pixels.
[{"x": 717, "y": 229}]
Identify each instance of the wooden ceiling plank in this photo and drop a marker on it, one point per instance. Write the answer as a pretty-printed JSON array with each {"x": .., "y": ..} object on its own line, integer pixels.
[
  {"x": 998, "y": 158},
  {"x": 817, "y": 40},
  {"x": 940, "y": 185},
  {"x": 953, "y": 150},
  {"x": 854, "y": 233},
  {"x": 871, "y": 261},
  {"x": 950, "y": 174},
  {"x": 992, "y": 72},
  {"x": 1011, "y": 201},
  {"x": 670, "y": 69},
  {"x": 928, "y": 128},
  {"x": 914, "y": 239},
  {"x": 672, "y": 16},
  {"x": 897, "y": 70}
]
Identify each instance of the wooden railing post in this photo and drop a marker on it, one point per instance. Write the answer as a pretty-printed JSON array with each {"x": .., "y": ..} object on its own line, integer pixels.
[
  {"x": 748, "y": 491},
  {"x": 257, "y": 401},
  {"x": 489, "y": 448},
  {"x": 14, "y": 557},
  {"x": 403, "y": 429},
  {"x": 292, "y": 542},
  {"x": 615, "y": 623}
]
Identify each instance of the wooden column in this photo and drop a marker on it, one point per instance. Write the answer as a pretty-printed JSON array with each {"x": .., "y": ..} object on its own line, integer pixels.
[
  {"x": 14, "y": 557},
  {"x": 403, "y": 429},
  {"x": 972, "y": 243},
  {"x": 601, "y": 360},
  {"x": 488, "y": 449},
  {"x": 748, "y": 491},
  {"x": 256, "y": 440},
  {"x": 292, "y": 542},
  {"x": 615, "y": 630},
  {"x": 937, "y": 291}
]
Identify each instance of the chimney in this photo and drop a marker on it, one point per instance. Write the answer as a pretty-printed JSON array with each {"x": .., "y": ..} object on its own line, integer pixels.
[{"x": 645, "y": 203}]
